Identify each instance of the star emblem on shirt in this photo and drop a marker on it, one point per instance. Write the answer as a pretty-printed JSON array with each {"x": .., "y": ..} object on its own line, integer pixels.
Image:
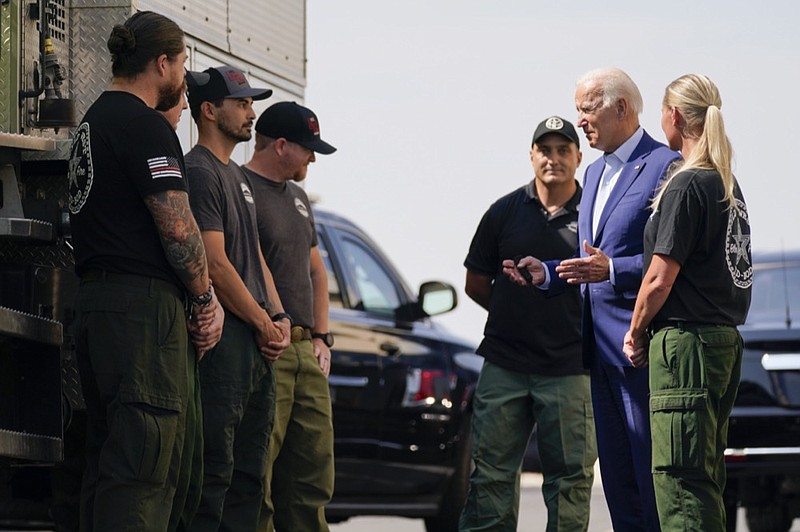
[{"x": 742, "y": 244}]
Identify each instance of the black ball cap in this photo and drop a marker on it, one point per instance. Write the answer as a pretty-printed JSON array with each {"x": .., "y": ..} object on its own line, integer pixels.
[
  {"x": 294, "y": 123},
  {"x": 556, "y": 124}
]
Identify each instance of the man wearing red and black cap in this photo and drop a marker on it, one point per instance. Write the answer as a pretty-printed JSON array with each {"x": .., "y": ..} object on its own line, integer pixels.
[
  {"x": 533, "y": 371},
  {"x": 237, "y": 381},
  {"x": 300, "y": 479}
]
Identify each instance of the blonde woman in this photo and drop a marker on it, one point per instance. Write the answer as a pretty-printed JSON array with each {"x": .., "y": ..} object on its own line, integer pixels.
[{"x": 695, "y": 291}]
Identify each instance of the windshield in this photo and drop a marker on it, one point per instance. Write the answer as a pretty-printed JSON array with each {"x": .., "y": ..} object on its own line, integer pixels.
[{"x": 776, "y": 296}]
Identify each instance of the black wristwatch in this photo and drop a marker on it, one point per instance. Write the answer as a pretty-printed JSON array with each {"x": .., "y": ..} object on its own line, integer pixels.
[
  {"x": 203, "y": 299},
  {"x": 281, "y": 316},
  {"x": 327, "y": 338}
]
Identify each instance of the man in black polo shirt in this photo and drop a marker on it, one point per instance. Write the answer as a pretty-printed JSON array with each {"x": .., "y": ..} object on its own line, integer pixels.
[{"x": 533, "y": 370}]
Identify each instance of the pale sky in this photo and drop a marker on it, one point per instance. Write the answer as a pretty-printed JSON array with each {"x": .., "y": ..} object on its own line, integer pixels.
[{"x": 432, "y": 104}]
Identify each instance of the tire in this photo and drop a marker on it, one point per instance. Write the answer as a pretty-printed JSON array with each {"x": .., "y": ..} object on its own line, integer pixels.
[
  {"x": 453, "y": 500},
  {"x": 773, "y": 517}
]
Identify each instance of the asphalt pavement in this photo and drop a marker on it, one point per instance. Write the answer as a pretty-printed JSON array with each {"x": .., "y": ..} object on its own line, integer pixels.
[{"x": 532, "y": 513}]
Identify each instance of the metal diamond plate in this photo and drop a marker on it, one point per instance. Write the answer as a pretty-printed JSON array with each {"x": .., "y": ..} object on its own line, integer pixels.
[
  {"x": 90, "y": 61},
  {"x": 8, "y": 66}
]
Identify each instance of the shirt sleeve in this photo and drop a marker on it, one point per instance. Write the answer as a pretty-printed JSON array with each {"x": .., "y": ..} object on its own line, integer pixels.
[
  {"x": 681, "y": 216},
  {"x": 206, "y": 198},
  {"x": 483, "y": 251},
  {"x": 304, "y": 199},
  {"x": 151, "y": 153}
]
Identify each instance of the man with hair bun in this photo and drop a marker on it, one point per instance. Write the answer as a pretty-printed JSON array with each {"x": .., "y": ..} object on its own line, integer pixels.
[{"x": 144, "y": 286}]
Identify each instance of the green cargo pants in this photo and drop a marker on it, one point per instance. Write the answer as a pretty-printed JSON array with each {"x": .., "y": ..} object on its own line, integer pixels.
[
  {"x": 133, "y": 352},
  {"x": 694, "y": 377},
  {"x": 506, "y": 406},
  {"x": 300, "y": 480},
  {"x": 238, "y": 392},
  {"x": 190, "y": 479}
]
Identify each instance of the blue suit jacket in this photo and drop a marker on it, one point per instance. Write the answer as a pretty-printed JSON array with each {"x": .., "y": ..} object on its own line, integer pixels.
[{"x": 608, "y": 308}]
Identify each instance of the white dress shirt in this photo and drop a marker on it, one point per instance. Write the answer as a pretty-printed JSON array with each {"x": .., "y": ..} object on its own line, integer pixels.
[{"x": 614, "y": 163}]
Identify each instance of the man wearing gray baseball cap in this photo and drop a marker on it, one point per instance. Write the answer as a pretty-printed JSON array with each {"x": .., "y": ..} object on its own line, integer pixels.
[{"x": 236, "y": 377}]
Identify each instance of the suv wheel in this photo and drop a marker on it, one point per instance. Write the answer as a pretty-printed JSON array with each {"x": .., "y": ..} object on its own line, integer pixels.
[
  {"x": 453, "y": 500},
  {"x": 772, "y": 517}
]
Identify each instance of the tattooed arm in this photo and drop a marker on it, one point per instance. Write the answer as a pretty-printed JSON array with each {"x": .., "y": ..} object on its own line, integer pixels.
[
  {"x": 185, "y": 252},
  {"x": 180, "y": 237}
]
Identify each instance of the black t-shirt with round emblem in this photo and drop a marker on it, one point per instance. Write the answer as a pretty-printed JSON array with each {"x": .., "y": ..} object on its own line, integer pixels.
[
  {"x": 710, "y": 241},
  {"x": 122, "y": 152}
]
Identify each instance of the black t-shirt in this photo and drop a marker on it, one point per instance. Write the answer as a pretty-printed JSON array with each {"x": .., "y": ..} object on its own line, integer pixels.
[
  {"x": 287, "y": 234},
  {"x": 222, "y": 201},
  {"x": 526, "y": 331},
  {"x": 710, "y": 241},
  {"x": 122, "y": 152}
]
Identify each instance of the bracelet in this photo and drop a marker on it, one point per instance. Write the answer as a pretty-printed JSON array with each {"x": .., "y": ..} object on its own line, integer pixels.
[
  {"x": 203, "y": 300},
  {"x": 281, "y": 316}
]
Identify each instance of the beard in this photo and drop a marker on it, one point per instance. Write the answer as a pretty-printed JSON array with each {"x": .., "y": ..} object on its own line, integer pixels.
[
  {"x": 300, "y": 175},
  {"x": 238, "y": 134},
  {"x": 169, "y": 97}
]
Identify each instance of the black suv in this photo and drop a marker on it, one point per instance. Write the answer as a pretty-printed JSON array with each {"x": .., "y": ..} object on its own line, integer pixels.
[
  {"x": 401, "y": 387},
  {"x": 763, "y": 455}
]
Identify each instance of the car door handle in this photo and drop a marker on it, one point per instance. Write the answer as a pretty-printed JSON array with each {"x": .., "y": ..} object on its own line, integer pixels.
[{"x": 390, "y": 348}]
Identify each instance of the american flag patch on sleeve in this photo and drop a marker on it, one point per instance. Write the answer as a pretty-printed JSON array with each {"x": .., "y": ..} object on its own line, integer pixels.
[{"x": 164, "y": 167}]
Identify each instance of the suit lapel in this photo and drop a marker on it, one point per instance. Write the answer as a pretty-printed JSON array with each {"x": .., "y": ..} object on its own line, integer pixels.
[
  {"x": 590, "y": 186},
  {"x": 630, "y": 171}
]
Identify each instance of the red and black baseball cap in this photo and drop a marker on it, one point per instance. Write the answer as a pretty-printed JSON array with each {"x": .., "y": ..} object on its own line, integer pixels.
[
  {"x": 294, "y": 123},
  {"x": 221, "y": 82}
]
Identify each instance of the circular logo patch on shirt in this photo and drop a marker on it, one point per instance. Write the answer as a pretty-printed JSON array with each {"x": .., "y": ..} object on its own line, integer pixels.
[
  {"x": 248, "y": 196},
  {"x": 81, "y": 170},
  {"x": 301, "y": 207},
  {"x": 737, "y": 246}
]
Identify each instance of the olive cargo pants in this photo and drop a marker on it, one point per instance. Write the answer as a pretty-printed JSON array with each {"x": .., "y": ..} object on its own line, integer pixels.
[
  {"x": 694, "y": 377},
  {"x": 506, "y": 406},
  {"x": 134, "y": 356},
  {"x": 238, "y": 392},
  {"x": 300, "y": 478}
]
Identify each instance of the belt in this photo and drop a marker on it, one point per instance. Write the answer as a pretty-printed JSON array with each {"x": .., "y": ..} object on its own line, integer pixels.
[
  {"x": 129, "y": 279},
  {"x": 656, "y": 326},
  {"x": 300, "y": 333}
]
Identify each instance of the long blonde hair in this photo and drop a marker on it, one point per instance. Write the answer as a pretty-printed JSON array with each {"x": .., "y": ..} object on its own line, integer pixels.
[{"x": 699, "y": 103}]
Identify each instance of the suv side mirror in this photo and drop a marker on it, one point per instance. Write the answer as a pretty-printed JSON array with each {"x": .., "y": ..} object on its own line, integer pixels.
[{"x": 436, "y": 297}]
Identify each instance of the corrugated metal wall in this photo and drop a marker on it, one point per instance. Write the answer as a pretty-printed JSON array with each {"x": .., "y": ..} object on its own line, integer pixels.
[{"x": 267, "y": 36}]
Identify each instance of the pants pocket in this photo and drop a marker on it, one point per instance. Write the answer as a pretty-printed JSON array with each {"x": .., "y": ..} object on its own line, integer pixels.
[
  {"x": 146, "y": 438},
  {"x": 676, "y": 427}
]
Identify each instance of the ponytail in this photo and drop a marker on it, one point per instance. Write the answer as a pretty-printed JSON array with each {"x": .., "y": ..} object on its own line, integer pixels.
[{"x": 699, "y": 103}]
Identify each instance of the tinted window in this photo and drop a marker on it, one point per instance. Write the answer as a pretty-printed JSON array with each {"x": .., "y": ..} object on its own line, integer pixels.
[
  {"x": 376, "y": 289},
  {"x": 776, "y": 295},
  {"x": 334, "y": 292}
]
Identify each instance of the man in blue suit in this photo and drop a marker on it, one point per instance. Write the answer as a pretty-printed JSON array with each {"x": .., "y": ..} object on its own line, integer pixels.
[{"x": 618, "y": 188}]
